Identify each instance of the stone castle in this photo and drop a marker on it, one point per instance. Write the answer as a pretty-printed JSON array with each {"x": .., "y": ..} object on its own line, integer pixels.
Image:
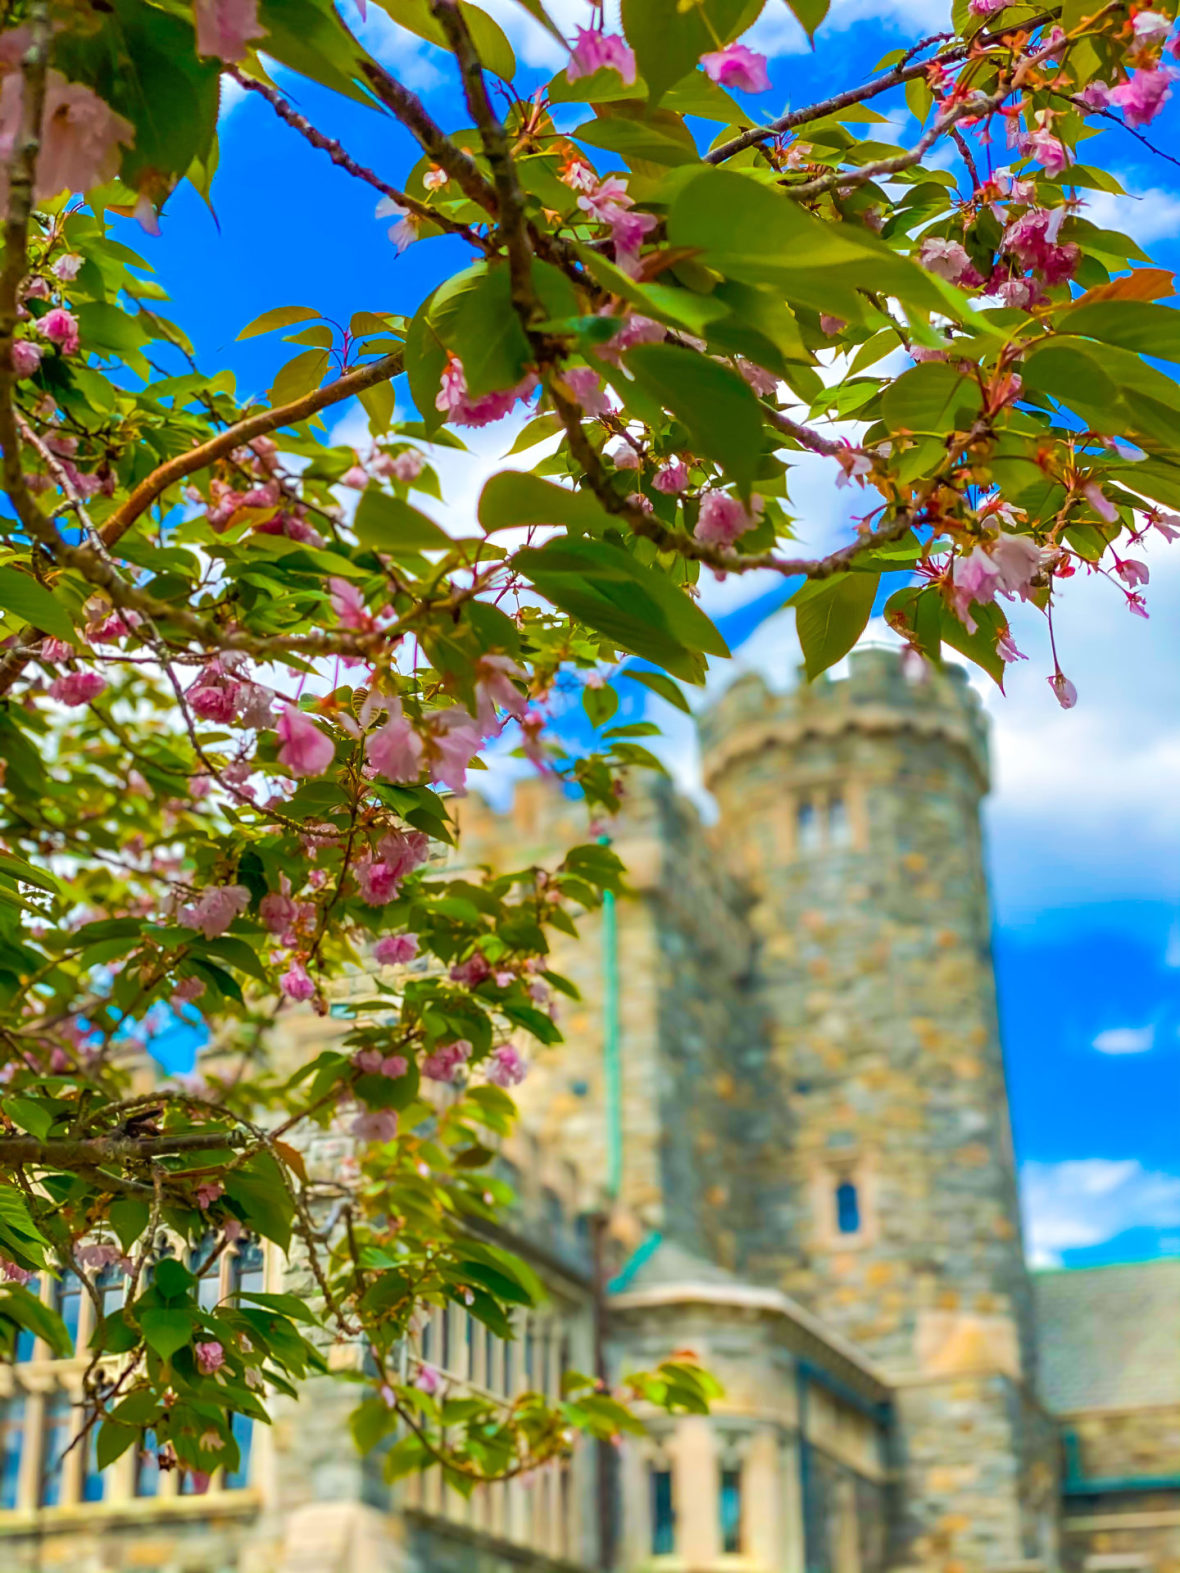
[{"x": 782, "y": 1104}]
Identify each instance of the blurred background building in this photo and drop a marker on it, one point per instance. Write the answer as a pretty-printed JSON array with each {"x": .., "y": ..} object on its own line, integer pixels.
[{"x": 778, "y": 1136}]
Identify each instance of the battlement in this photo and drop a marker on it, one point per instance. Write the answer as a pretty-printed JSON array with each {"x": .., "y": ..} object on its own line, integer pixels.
[{"x": 881, "y": 694}]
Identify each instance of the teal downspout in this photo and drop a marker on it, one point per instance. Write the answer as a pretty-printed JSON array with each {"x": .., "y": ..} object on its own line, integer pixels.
[{"x": 612, "y": 1078}]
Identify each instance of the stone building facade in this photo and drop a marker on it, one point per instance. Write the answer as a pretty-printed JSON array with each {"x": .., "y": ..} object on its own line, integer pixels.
[{"x": 783, "y": 1086}]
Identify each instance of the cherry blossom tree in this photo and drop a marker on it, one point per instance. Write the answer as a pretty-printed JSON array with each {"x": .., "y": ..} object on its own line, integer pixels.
[{"x": 245, "y": 671}]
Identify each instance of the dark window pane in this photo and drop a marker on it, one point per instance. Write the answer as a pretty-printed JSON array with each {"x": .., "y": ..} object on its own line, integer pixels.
[
  {"x": 238, "y": 1479},
  {"x": 55, "y": 1438},
  {"x": 12, "y": 1436},
  {"x": 113, "y": 1287},
  {"x": 25, "y": 1340},
  {"x": 248, "y": 1269},
  {"x": 838, "y": 827},
  {"x": 807, "y": 827},
  {"x": 847, "y": 1208},
  {"x": 67, "y": 1299},
  {"x": 731, "y": 1510},
  {"x": 207, "y": 1271},
  {"x": 663, "y": 1516},
  {"x": 93, "y": 1479}
]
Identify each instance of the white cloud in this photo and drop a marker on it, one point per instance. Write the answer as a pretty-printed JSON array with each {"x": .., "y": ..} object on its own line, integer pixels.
[
  {"x": 1148, "y": 216},
  {"x": 1085, "y": 1201},
  {"x": 1125, "y": 1040}
]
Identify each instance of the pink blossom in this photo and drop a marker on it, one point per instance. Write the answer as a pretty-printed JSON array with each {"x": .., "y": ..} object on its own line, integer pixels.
[
  {"x": 435, "y": 179},
  {"x": 80, "y": 135},
  {"x": 212, "y": 703},
  {"x": 831, "y": 325},
  {"x": 1137, "y": 605},
  {"x": 455, "y": 402},
  {"x": 1131, "y": 571},
  {"x": 945, "y": 258},
  {"x": 454, "y": 739},
  {"x": 1100, "y": 503},
  {"x": 723, "y": 519},
  {"x": 255, "y": 705},
  {"x": 349, "y": 605},
  {"x": 77, "y": 688},
  {"x": 671, "y": 478},
  {"x": 1151, "y": 25},
  {"x": 737, "y": 66},
  {"x": 26, "y": 357},
  {"x": 628, "y": 229},
  {"x": 974, "y": 579},
  {"x": 1142, "y": 98},
  {"x": 407, "y": 466},
  {"x": 60, "y": 327},
  {"x": 986, "y": 7},
  {"x": 377, "y": 881},
  {"x": 396, "y": 750},
  {"x": 472, "y": 972},
  {"x": 623, "y": 456},
  {"x": 637, "y": 329},
  {"x": 1168, "y": 525},
  {"x": 68, "y": 266},
  {"x": 14, "y": 1274},
  {"x": 225, "y": 27},
  {"x": 374, "y": 1063},
  {"x": 494, "y": 686},
  {"x": 595, "y": 51},
  {"x": 277, "y": 910},
  {"x": 404, "y": 851},
  {"x": 394, "y": 950},
  {"x": 405, "y": 232},
  {"x": 1017, "y": 560},
  {"x": 55, "y": 650},
  {"x": 585, "y": 388},
  {"x": 210, "y": 1357},
  {"x": 445, "y": 1062},
  {"x": 605, "y": 199},
  {"x": 356, "y": 477},
  {"x": 427, "y": 1379},
  {"x": 375, "y": 1125},
  {"x": 99, "y": 1256},
  {"x": 506, "y": 1067},
  {"x": 296, "y": 984},
  {"x": 763, "y": 382},
  {"x": 1007, "y": 651},
  {"x": 1095, "y": 95},
  {"x": 305, "y": 750},
  {"x": 1063, "y": 690},
  {"x": 187, "y": 990},
  {"x": 208, "y": 1192},
  {"x": 215, "y": 909}
]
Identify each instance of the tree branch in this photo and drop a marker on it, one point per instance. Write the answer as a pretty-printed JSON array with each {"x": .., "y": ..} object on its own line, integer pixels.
[
  {"x": 344, "y": 160},
  {"x": 87, "y": 1152},
  {"x": 430, "y": 136}
]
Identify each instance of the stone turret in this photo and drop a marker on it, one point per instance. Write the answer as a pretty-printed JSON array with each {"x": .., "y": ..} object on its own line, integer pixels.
[{"x": 852, "y": 809}]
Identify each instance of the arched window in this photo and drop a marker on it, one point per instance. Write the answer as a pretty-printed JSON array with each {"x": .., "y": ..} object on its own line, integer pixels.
[
  {"x": 663, "y": 1513},
  {"x": 847, "y": 1208}
]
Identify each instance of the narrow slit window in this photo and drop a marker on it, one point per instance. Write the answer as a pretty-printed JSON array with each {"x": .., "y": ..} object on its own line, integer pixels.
[
  {"x": 663, "y": 1516},
  {"x": 55, "y": 1438},
  {"x": 730, "y": 1503},
  {"x": 68, "y": 1303},
  {"x": 147, "y": 1467},
  {"x": 839, "y": 830},
  {"x": 847, "y": 1208},
  {"x": 93, "y": 1478},
  {"x": 807, "y": 828},
  {"x": 243, "y": 1433}
]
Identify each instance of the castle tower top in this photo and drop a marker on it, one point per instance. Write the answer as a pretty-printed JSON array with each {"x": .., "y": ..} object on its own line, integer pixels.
[{"x": 881, "y": 694}]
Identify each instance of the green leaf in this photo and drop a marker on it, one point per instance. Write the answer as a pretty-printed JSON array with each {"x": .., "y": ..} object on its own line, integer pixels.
[
  {"x": 426, "y": 357},
  {"x": 308, "y": 36},
  {"x": 278, "y": 317},
  {"x": 491, "y": 43},
  {"x": 29, "y": 875},
  {"x": 285, "y": 1304},
  {"x": 22, "y": 595},
  {"x": 113, "y": 1441},
  {"x": 1139, "y": 325},
  {"x": 259, "y": 1189},
  {"x": 129, "y": 1218},
  {"x": 513, "y": 499},
  {"x": 719, "y": 408},
  {"x": 662, "y": 685},
  {"x": 474, "y": 317},
  {"x": 669, "y": 39},
  {"x": 299, "y": 376},
  {"x": 390, "y": 524},
  {"x": 639, "y": 140},
  {"x": 28, "y": 1311},
  {"x": 172, "y": 1279},
  {"x": 830, "y": 616},
  {"x": 600, "y": 703},
  {"x": 636, "y": 608},
  {"x": 166, "y": 1329},
  {"x": 930, "y": 397}
]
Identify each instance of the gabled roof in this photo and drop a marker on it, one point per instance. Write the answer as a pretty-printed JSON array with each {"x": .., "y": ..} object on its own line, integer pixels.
[{"x": 1109, "y": 1337}]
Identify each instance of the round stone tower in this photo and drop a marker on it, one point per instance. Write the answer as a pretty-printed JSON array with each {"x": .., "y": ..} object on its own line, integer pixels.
[{"x": 852, "y": 809}]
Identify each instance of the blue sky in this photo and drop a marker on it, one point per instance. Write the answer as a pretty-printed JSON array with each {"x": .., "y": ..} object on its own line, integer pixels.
[{"x": 1084, "y": 836}]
